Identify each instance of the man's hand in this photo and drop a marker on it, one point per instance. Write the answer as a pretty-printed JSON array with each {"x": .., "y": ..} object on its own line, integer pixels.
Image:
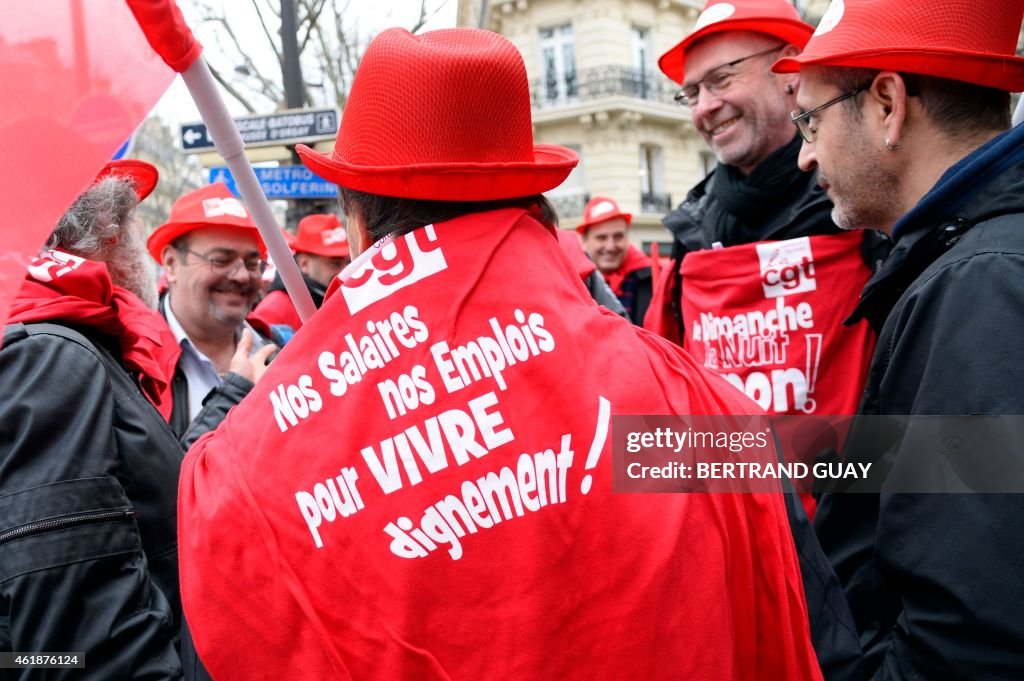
[{"x": 248, "y": 367}]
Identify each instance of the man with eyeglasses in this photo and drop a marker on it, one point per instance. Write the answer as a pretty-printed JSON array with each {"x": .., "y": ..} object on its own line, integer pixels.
[
  {"x": 904, "y": 109},
  {"x": 213, "y": 259},
  {"x": 755, "y": 240},
  {"x": 741, "y": 110}
]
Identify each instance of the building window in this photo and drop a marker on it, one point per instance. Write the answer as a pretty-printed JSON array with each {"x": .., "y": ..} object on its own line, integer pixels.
[
  {"x": 643, "y": 62},
  {"x": 558, "y": 63},
  {"x": 653, "y": 197}
]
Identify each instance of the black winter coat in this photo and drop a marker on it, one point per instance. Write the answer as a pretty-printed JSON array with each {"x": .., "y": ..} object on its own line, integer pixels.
[
  {"x": 88, "y": 498},
  {"x": 936, "y": 581}
]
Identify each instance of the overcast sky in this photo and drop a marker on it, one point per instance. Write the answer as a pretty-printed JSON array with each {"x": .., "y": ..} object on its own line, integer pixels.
[{"x": 176, "y": 106}]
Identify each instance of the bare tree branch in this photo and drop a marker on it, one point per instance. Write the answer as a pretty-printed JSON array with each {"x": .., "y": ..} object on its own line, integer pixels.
[
  {"x": 334, "y": 76},
  {"x": 231, "y": 90},
  {"x": 270, "y": 38},
  {"x": 311, "y": 20},
  {"x": 331, "y": 45},
  {"x": 268, "y": 88}
]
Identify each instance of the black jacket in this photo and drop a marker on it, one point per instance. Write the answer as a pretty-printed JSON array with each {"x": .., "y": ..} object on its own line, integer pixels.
[
  {"x": 231, "y": 391},
  {"x": 602, "y": 293},
  {"x": 936, "y": 580},
  {"x": 701, "y": 220},
  {"x": 88, "y": 494}
]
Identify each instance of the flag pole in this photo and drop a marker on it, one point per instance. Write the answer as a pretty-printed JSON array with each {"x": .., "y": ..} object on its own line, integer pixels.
[{"x": 231, "y": 147}]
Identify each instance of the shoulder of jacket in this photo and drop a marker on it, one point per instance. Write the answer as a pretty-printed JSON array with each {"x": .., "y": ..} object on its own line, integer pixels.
[
  {"x": 14, "y": 333},
  {"x": 971, "y": 252}
]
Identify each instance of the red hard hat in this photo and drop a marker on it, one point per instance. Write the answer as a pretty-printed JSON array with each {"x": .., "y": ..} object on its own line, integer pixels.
[
  {"x": 320, "y": 234},
  {"x": 776, "y": 18},
  {"x": 601, "y": 209},
  {"x": 211, "y": 206},
  {"x": 965, "y": 40}
]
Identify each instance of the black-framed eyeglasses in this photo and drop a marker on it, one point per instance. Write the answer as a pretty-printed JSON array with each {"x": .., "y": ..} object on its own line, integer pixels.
[
  {"x": 802, "y": 119},
  {"x": 717, "y": 79},
  {"x": 226, "y": 266}
]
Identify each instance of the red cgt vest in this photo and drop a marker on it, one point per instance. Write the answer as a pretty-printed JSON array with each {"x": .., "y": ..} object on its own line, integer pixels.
[{"x": 769, "y": 318}]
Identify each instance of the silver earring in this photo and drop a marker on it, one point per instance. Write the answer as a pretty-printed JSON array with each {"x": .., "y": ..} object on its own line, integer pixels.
[{"x": 890, "y": 146}]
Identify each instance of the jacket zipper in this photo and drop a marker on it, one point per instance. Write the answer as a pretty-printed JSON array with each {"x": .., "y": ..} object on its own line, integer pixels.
[{"x": 41, "y": 526}]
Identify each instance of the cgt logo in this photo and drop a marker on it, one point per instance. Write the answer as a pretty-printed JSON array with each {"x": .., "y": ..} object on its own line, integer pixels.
[
  {"x": 41, "y": 268},
  {"x": 394, "y": 265},
  {"x": 787, "y": 267}
]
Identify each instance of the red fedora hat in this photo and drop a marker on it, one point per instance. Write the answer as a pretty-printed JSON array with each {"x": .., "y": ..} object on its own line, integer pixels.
[
  {"x": 965, "y": 40},
  {"x": 320, "y": 234},
  {"x": 444, "y": 115},
  {"x": 776, "y": 18},
  {"x": 143, "y": 175},
  {"x": 601, "y": 209},
  {"x": 211, "y": 206}
]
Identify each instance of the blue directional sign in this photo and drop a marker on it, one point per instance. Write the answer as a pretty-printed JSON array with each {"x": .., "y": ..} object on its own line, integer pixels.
[
  {"x": 285, "y": 127},
  {"x": 282, "y": 182}
]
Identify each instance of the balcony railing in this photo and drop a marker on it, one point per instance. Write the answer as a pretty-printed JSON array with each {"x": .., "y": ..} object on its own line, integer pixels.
[
  {"x": 603, "y": 81},
  {"x": 655, "y": 202},
  {"x": 569, "y": 205}
]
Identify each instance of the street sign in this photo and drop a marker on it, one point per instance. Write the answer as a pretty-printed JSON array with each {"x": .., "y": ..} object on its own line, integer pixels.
[
  {"x": 285, "y": 127},
  {"x": 282, "y": 182}
]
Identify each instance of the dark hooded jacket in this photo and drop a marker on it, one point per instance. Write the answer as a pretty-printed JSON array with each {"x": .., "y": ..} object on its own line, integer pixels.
[{"x": 935, "y": 580}]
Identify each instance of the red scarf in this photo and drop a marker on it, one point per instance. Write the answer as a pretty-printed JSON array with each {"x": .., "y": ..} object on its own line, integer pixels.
[
  {"x": 65, "y": 289},
  {"x": 441, "y": 362},
  {"x": 635, "y": 260}
]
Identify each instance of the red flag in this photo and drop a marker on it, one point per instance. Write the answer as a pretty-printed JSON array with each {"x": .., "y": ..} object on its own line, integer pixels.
[{"x": 76, "y": 78}]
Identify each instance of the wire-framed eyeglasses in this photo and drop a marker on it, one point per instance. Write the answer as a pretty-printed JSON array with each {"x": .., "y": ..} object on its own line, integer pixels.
[
  {"x": 717, "y": 79},
  {"x": 802, "y": 119},
  {"x": 227, "y": 265}
]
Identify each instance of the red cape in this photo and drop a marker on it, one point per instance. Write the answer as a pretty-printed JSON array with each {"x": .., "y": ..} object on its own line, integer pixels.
[{"x": 420, "y": 488}]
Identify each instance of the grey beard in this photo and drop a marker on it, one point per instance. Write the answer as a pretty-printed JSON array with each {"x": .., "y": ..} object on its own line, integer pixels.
[{"x": 129, "y": 268}]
